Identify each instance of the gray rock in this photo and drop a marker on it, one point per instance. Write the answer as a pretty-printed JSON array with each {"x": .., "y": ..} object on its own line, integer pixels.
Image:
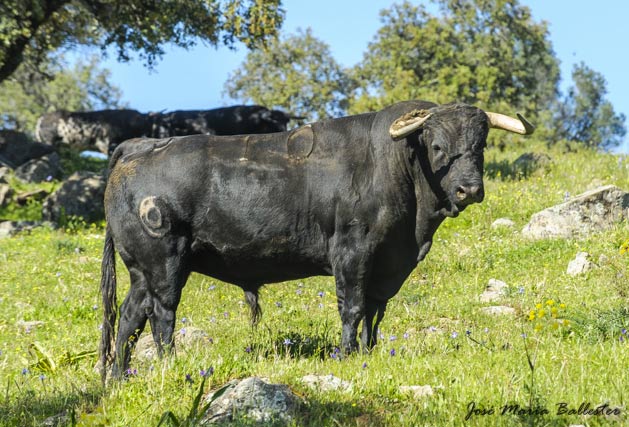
[
  {"x": 502, "y": 223},
  {"x": 23, "y": 198},
  {"x": 16, "y": 148},
  {"x": 326, "y": 383},
  {"x": 27, "y": 326},
  {"x": 418, "y": 391},
  {"x": 61, "y": 419},
  {"x": 254, "y": 400},
  {"x": 80, "y": 195},
  {"x": 4, "y": 173},
  {"x": 495, "y": 290},
  {"x": 40, "y": 169},
  {"x": 589, "y": 212},
  {"x": 498, "y": 310},
  {"x": 10, "y": 228},
  {"x": 5, "y": 194},
  {"x": 580, "y": 264}
]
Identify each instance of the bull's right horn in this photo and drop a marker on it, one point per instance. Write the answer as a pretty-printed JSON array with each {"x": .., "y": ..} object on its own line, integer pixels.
[
  {"x": 408, "y": 123},
  {"x": 519, "y": 125}
]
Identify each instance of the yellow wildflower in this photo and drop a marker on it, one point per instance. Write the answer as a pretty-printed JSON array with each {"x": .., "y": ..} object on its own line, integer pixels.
[
  {"x": 541, "y": 313},
  {"x": 550, "y": 302},
  {"x": 562, "y": 305},
  {"x": 532, "y": 315},
  {"x": 538, "y": 306}
]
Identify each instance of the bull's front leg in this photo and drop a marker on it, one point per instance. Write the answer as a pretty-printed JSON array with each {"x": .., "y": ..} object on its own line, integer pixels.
[{"x": 350, "y": 272}]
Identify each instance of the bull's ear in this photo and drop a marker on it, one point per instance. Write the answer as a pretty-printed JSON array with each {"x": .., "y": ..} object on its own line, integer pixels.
[{"x": 408, "y": 123}]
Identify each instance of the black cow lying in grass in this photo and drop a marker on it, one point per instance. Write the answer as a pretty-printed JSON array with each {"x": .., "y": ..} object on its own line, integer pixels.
[{"x": 358, "y": 198}]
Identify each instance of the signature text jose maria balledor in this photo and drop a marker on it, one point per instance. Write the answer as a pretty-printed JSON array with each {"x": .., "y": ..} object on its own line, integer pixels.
[{"x": 561, "y": 408}]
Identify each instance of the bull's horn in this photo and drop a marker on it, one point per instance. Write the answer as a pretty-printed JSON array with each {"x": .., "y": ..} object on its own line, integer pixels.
[
  {"x": 408, "y": 123},
  {"x": 519, "y": 125}
]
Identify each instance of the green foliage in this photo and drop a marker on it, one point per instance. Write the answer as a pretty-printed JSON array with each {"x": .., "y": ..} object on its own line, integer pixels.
[
  {"x": 297, "y": 73},
  {"x": 29, "y": 29},
  {"x": 489, "y": 53},
  {"x": 32, "y": 91},
  {"x": 585, "y": 116}
]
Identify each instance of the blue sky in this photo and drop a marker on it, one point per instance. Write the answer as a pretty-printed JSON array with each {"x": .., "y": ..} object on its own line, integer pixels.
[{"x": 594, "y": 32}]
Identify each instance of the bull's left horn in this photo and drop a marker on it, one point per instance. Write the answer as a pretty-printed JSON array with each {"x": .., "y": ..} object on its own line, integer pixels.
[
  {"x": 519, "y": 125},
  {"x": 408, "y": 123}
]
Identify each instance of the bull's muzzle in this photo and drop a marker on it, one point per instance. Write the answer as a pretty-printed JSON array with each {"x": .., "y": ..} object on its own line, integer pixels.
[{"x": 468, "y": 194}]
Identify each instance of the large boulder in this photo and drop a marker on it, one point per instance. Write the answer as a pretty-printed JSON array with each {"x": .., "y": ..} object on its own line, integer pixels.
[
  {"x": 41, "y": 169},
  {"x": 253, "y": 400},
  {"x": 5, "y": 194},
  {"x": 81, "y": 195},
  {"x": 16, "y": 148},
  {"x": 589, "y": 212}
]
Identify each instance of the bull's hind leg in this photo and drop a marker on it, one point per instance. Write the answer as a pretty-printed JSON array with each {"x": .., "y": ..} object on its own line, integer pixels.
[
  {"x": 166, "y": 289},
  {"x": 132, "y": 321}
]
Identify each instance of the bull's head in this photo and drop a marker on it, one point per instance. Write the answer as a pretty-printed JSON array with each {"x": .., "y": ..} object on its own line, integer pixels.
[{"x": 452, "y": 138}]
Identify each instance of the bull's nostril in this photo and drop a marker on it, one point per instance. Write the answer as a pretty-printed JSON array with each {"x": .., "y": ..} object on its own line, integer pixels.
[{"x": 461, "y": 194}]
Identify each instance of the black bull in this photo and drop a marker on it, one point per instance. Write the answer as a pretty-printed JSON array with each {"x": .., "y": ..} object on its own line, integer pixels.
[{"x": 341, "y": 197}]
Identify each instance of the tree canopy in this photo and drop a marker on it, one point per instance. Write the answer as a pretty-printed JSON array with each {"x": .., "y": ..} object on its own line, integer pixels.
[
  {"x": 484, "y": 52},
  {"x": 30, "y": 29},
  {"x": 585, "y": 116},
  {"x": 297, "y": 73},
  {"x": 33, "y": 91}
]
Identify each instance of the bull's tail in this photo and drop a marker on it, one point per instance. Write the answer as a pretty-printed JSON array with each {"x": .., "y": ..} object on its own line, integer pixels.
[
  {"x": 110, "y": 305},
  {"x": 251, "y": 297}
]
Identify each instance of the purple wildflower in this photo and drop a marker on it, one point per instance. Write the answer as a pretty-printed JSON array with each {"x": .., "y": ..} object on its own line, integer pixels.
[
  {"x": 182, "y": 331},
  {"x": 189, "y": 379},
  {"x": 299, "y": 291},
  {"x": 25, "y": 371},
  {"x": 42, "y": 377},
  {"x": 468, "y": 332},
  {"x": 624, "y": 332},
  {"x": 521, "y": 290},
  {"x": 523, "y": 336},
  {"x": 248, "y": 350},
  {"x": 226, "y": 315},
  {"x": 364, "y": 365},
  {"x": 287, "y": 341},
  {"x": 392, "y": 338},
  {"x": 392, "y": 352},
  {"x": 184, "y": 319},
  {"x": 211, "y": 288},
  {"x": 406, "y": 335},
  {"x": 278, "y": 304},
  {"x": 49, "y": 178},
  {"x": 95, "y": 307},
  {"x": 454, "y": 335},
  {"x": 320, "y": 294}
]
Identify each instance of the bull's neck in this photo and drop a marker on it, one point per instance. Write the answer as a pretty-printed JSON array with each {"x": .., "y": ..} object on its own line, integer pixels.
[{"x": 413, "y": 159}]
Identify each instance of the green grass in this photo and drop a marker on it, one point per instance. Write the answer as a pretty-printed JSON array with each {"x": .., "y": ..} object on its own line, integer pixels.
[{"x": 52, "y": 276}]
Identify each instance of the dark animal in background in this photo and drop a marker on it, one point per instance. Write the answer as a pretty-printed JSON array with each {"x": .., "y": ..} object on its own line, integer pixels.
[
  {"x": 92, "y": 130},
  {"x": 235, "y": 120},
  {"x": 357, "y": 197},
  {"x": 104, "y": 130}
]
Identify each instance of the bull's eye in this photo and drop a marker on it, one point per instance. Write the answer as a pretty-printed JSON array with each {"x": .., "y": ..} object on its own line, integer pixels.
[{"x": 436, "y": 148}]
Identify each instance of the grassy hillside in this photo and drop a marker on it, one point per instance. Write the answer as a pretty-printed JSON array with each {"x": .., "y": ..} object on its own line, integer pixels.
[{"x": 434, "y": 332}]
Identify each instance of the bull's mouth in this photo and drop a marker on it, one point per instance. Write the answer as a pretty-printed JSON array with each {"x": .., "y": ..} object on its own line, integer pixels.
[{"x": 451, "y": 210}]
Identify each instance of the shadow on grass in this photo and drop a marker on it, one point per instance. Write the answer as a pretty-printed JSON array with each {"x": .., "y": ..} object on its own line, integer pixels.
[{"x": 32, "y": 408}]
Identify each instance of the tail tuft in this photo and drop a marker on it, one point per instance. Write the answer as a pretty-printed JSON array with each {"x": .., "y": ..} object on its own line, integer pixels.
[
  {"x": 110, "y": 306},
  {"x": 251, "y": 297}
]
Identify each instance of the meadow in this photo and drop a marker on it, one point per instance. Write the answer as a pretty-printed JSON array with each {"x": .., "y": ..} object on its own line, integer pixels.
[{"x": 566, "y": 345}]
